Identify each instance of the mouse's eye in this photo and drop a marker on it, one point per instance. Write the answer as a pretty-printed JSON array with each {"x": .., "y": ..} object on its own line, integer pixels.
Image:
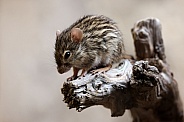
[{"x": 67, "y": 54}]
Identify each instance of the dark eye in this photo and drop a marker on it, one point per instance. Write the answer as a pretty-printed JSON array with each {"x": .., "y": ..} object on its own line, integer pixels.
[{"x": 67, "y": 54}]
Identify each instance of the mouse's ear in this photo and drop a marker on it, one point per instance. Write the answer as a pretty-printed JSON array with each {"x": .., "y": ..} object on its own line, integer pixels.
[
  {"x": 58, "y": 32},
  {"x": 76, "y": 34}
]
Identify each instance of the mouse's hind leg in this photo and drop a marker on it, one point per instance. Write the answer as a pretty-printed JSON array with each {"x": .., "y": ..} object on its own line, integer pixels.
[{"x": 101, "y": 70}]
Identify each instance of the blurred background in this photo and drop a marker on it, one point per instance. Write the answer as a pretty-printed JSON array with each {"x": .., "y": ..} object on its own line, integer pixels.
[{"x": 29, "y": 83}]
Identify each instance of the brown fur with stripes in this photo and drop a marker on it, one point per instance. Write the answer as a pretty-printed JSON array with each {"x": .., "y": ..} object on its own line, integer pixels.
[{"x": 101, "y": 44}]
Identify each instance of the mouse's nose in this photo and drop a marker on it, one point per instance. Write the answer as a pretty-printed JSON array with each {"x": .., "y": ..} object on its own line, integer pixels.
[{"x": 63, "y": 69}]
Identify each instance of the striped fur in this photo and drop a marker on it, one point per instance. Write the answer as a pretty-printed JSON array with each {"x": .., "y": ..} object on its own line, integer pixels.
[{"x": 101, "y": 45}]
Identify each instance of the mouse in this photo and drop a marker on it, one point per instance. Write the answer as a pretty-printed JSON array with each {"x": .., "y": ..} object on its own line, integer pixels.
[{"x": 92, "y": 43}]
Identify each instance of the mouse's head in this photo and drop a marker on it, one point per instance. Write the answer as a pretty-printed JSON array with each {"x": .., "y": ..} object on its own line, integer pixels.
[{"x": 67, "y": 42}]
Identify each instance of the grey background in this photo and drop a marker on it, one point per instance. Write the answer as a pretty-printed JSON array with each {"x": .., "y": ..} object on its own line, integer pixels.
[{"x": 29, "y": 83}]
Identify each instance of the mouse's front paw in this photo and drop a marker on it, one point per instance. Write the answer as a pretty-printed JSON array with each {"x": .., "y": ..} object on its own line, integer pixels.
[{"x": 71, "y": 78}]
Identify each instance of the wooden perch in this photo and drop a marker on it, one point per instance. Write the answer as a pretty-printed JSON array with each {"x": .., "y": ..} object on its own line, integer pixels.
[{"x": 144, "y": 86}]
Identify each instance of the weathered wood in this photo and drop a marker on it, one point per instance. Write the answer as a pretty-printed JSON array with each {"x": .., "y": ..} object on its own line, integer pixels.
[
  {"x": 149, "y": 46},
  {"x": 118, "y": 89},
  {"x": 144, "y": 86}
]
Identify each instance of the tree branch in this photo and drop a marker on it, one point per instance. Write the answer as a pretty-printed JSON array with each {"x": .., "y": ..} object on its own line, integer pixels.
[{"x": 121, "y": 88}]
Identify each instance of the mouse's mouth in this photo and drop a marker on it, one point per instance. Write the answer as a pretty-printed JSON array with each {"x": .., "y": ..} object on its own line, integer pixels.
[{"x": 64, "y": 68}]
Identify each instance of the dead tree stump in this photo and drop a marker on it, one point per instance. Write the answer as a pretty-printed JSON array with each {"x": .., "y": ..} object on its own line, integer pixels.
[
  {"x": 149, "y": 47},
  {"x": 144, "y": 86}
]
